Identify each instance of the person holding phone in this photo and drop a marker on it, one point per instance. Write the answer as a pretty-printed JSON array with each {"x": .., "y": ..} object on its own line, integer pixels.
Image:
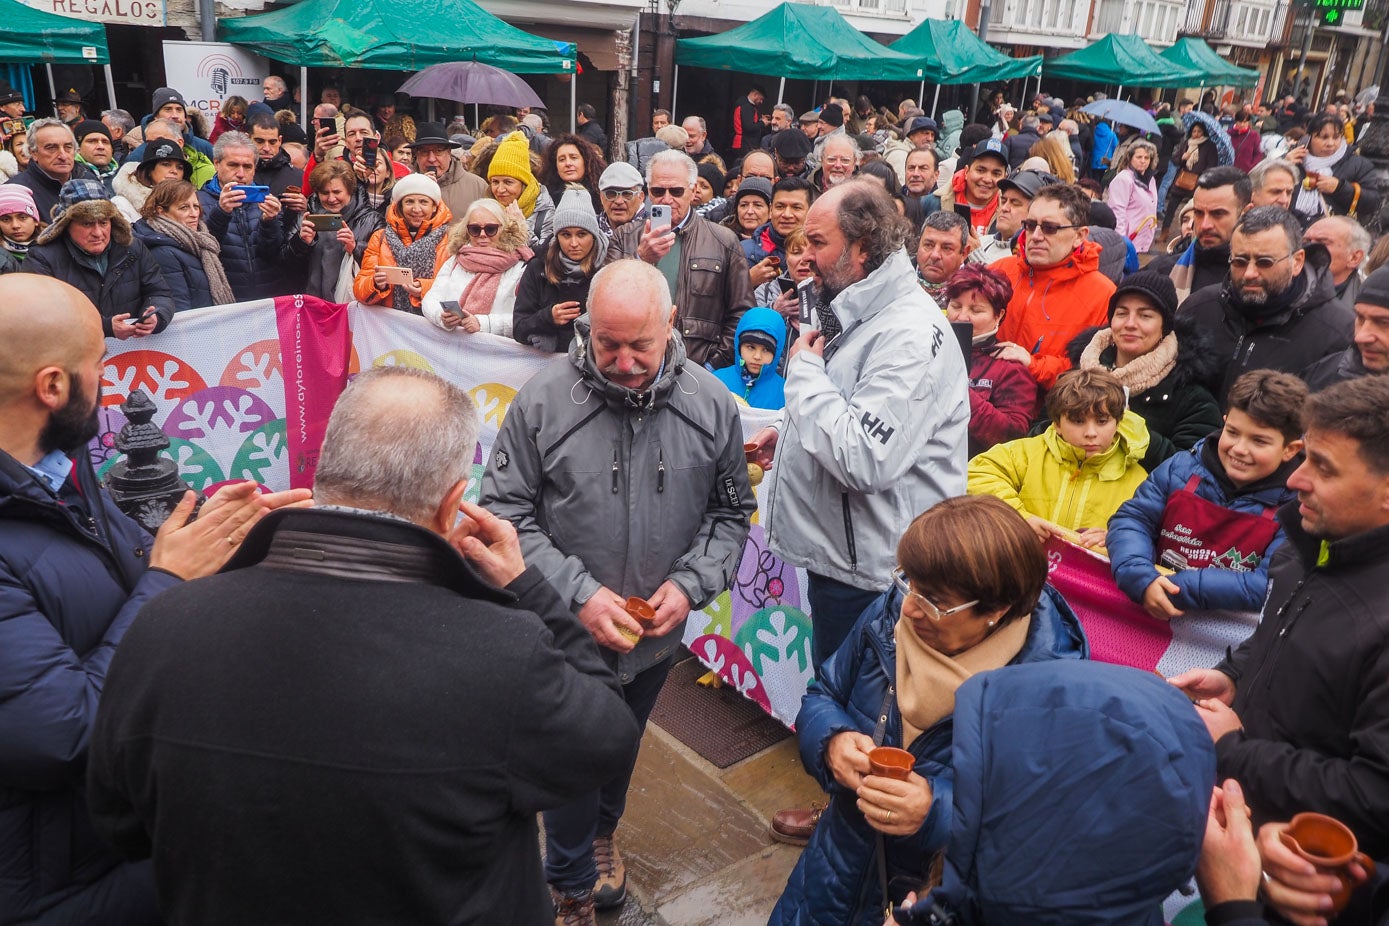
[
  {"x": 413, "y": 240},
  {"x": 324, "y": 256},
  {"x": 512, "y": 183},
  {"x": 250, "y": 233},
  {"x": 1335, "y": 180},
  {"x": 475, "y": 289},
  {"x": 554, "y": 288}
]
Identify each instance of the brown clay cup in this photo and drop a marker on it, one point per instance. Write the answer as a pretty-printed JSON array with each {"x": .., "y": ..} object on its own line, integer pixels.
[
  {"x": 1329, "y": 845},
  {"x": 750, "y": 451},
  {"x": 642, "y": 613},
  {"x": 891, "y": 762}
]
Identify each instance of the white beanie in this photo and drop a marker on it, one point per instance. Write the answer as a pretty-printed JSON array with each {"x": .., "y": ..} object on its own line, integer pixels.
[{"x": 416, "y": 184}]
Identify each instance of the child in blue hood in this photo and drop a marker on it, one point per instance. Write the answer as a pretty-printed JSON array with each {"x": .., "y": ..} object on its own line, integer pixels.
[{"x": 761, "y": 337}]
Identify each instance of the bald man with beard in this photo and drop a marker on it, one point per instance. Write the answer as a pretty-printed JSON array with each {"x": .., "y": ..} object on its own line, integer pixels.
[{"x": 74, "y": 571}]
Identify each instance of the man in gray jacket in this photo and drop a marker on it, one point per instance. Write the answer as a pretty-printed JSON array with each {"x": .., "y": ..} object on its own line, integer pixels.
[{"x": 622, "y": 469}]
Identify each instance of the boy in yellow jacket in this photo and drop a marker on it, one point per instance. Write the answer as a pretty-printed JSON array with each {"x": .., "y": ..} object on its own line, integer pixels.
[{"x": 1081, "y": 469}]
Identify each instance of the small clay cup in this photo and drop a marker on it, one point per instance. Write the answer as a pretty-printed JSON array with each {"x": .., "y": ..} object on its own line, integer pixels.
[
  {"x": 891, "y": 762},
  {"x": 750, "y": 451},
  {"x": 642, "y": 613},
  {"x": 1329, "y": 845}
]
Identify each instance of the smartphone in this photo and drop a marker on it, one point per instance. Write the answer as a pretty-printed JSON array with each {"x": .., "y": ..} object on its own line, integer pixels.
[
  {"x": 254, "y": 193},
  {"x": 659, "y": 217},
  {"x": 786, "y": 283},
  {"x": 150, "y": 312},
  {"x": 328, "y": 124},
  {"x": 327, "y": 222},
  {"x": 452, "y": 308},
  {"x": 369, "y": 153},
  {"x": 805, "y": 293},
  {"x": 402, "y": 276}
]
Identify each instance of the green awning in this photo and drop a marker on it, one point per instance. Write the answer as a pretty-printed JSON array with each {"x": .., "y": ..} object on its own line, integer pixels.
[
  {"x": 394, "y": 36},
  {"x": 1195, "y": 54},
  {"x": 1123, "y": 60},
  {"x": 30, "y": 36},
  {"x": 951, "y": 54},
  {"x": 798, "y": 41}
]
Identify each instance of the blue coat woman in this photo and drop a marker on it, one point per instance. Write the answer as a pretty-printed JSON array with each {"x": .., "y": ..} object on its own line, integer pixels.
[{"x": 836, "y": 880}]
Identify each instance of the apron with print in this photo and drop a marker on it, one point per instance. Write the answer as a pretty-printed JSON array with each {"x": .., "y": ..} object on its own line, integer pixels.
[{"x": 1197, "y": 533}]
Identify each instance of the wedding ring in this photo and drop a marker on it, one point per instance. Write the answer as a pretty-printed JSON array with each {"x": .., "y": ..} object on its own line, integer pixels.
[
  {"x": 889, "y": 816},
  {"x": 230, "y": 542}
]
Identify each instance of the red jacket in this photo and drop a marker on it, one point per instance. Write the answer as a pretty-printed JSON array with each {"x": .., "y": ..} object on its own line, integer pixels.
[
  {"x": 1052, "y": 306},
  {"x": 1002, "y": 398}
]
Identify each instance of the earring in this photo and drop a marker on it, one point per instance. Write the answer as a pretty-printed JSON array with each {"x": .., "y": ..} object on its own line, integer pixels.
[{"x": 991, "y": 623}]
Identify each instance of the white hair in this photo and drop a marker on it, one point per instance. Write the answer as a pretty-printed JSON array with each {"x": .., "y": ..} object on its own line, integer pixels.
[
  {"x": 231, "y": 141},
  {"x": 672, "y": 157}
]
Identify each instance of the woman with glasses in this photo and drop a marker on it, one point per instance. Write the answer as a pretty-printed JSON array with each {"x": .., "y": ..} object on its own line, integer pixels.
[
  {"x": 475, "y": 289},
  {"x": 554, "y": 288},
  {"x": 969, "y": 596},
  {"x": 326, "y": 250}
]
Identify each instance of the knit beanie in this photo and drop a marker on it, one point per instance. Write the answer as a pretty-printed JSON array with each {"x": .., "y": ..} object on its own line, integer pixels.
[
  {"x": 712, "y": 175},
  {"x": 513, "y": 159},
  {"x": 416, "y": 185},
  {"x": 575, "y": 210},
  {"x": 1159, "y": 290},
  {"x": 15, "y": 198},
  {"x": 88, "y": 127},
  {"x": 1374, "y": 291}
]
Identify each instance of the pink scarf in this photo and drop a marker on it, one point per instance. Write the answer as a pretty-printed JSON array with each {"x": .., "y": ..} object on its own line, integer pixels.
[{"x": 488, "y": 264}]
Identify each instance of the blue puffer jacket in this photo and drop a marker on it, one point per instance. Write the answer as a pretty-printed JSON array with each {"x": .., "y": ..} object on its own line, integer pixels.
[
  {"x": 1081, "y": 798},
  {"x": 250, "y": 247},
  {"x": 1133, "y": 531},
  {"x": 183, "y": 272},
  {"x": 69, "y": 587},
  {"x": 1105, "y": 141},
  {"x": 768, "y": 390},
  {"x": 836, "y": 879}
]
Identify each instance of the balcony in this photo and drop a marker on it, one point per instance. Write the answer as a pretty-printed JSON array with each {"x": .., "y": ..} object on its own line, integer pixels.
[
  {"x": 1213, "y": 26},
  {"x": 893, "y": 8},
  {"x": 1155, "y": 21},
  {"x": 1058, "y": 23}
]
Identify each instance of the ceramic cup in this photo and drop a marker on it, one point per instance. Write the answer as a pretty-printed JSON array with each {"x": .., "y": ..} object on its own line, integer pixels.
[
  {"x": 642, "y": 613},
  {"x": 1330, "y": 845},
  {"x": 891, "y": 762}
]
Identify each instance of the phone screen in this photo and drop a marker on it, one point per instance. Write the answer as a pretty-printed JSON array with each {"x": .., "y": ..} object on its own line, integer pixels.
[{"x": 369, "y": 152}]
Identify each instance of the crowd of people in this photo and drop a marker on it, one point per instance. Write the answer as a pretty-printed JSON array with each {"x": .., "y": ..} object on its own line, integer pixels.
[{"x": 975, "y": 336}]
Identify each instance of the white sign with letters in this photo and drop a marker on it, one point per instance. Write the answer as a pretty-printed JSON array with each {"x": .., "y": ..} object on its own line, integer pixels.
[
  {"x": 122, "y": 12},
  {"x": 206, "y": 73}
]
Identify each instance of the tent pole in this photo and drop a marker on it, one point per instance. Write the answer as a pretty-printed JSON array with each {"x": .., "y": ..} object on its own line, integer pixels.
[
  {"x": 573, "y": 102},
  {"x": 781, "y": 91},
  {"x": 814, "y": 93},
  {"x": 674, "y": 95},
  {"x": 921, "y": 95},
  {"x": 935, "y": 101},
  {"x": 110, "y": 86},
  {"x": 1120, "y": 94},
  {"x": 52, "y": 87},
  {"x": 429, "y": 106},
  {"x": 303, "y": 95}
]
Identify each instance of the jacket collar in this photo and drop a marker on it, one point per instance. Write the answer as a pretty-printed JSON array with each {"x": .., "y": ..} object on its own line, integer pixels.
[
  {"x": 1356, "y": 550},
  {"x": 877, "y": 291},
  {"x": 656, "y": 397}
]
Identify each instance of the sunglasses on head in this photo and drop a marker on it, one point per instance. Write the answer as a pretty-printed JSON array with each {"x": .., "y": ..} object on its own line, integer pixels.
[
  {"x": 675, "y": 192},
  {"x": 483, "y": 231}
]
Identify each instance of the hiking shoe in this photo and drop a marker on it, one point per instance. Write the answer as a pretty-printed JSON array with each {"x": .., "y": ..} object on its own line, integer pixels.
[
  {"x": 573, "y": 909},
  {"x": 794, "y": 826},
  {"x": 610, "y": 890}
]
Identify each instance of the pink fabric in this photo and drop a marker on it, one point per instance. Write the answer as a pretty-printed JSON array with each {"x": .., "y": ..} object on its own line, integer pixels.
[
  {"x": 1135, "y": 208},
  {"x": 315, "y": 348},
  {"x": 488, "y": 263},
  {"x": 1119, "y": 631}
]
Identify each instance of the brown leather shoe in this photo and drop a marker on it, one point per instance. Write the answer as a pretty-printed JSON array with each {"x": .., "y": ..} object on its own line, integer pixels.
[
  {"x": 573, "y": 909},
  {"x": 610, "y": 890},
  {"x": 794, "y": 826}
]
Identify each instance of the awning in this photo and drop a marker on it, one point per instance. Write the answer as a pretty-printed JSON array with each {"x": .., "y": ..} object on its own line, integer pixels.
[
  {"x": 394, "y": 36},
  {"x": 30, "y": 36},
  {"x": 1195, "y": 54},
  {"x": 951, "y": 54},
  {"x": 798, "y": 41},
  {"x": 1123, "y": 60}
]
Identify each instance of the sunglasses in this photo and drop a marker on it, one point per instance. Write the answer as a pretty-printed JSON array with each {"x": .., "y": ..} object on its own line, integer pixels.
[
  {"x": 935, "y": 613},
  {"x": 1047, "y": 228},
  {"x": 1263, "y": 263},
  {"x": 659, "y": 192},
  {"x": 483, "y": 231},
  {"x": 628, "y": 195}
]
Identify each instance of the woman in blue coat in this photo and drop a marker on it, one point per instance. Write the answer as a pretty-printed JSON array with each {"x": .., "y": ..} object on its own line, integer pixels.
[
  {"x": 174, "y": 233},
  {"x": 969, "y": 596}
]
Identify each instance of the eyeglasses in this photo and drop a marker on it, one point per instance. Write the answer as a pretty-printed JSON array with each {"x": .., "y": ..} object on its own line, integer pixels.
[
  {"x": 1263, "y": 263},
  {"x": 674, "y": 192},
  {"x": 1049, "y": 229},
  {"x": 629, "y": 195},
  {"x": 483, "y": 231},
  {"x": 933, "y": 611}
]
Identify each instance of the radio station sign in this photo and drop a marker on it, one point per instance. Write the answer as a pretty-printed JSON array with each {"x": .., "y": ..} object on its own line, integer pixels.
[
  {"x": 120, "y": 12},
  {"x": 206, "y": 73}
]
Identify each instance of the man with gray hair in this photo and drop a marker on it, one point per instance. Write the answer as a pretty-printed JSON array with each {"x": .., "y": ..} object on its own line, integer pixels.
[
  {"x": 1273, "y": 183},
  {"x": 1020, "y": 144},
  {"x": 622, "y": 468},
  {"x": 351, "y": 694},
  {"x": 118, "y": 122},
  {"x": 1278, "y": 310},
  {"x": 697, "y": 144},
  {"x": 839, "y": 160},
  {"x": 1347, "y": 241},
  {"x": 783, "y": 118},
  {"x": 943, "y": 247},
  {"x": 702, "y": 262},
  {"x": 250, "y": 233},
  {"x": 52, "y": 163}
]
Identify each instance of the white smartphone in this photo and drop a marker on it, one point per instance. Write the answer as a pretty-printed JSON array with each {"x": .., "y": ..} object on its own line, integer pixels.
[{"x": 660, "y": 217}]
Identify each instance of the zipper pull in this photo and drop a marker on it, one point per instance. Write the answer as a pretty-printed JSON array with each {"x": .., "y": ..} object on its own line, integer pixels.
[
  {"x": 660, "y": 471},
  {"x": 614, "y": 471}
]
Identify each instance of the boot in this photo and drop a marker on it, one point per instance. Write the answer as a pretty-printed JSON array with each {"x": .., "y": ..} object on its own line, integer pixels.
[
  {"x": 610, "y": 890},
  {"x": 573, "y": 909}
]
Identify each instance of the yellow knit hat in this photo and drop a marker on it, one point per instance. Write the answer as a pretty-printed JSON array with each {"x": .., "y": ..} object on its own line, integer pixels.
[{"x": 513, "y": 159}]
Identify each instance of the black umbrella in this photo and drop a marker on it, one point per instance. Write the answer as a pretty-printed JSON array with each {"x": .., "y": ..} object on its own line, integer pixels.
[{"x": 472, "y": 82}]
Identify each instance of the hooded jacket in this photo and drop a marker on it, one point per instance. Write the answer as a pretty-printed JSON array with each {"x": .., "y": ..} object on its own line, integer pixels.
[
  {"x": 768, "y": 390},
  {"x": 1102, "y": 146},
  {"x": 1051, "y": 306},
  {"x": 250, "y": 246},
  {"x": 1133, "y": 531},
  {"x": 873, "y": 434},
  {"x": 314, "y": 268},
  {"x": 609, "y": 487},
  {"x": 835, "y": 881},
  {"x": 278, "y": 173},
  {"x": 951, "y": 125},
  {"x": 1047, "y": 477},
  {"x": 71, "y": 583},
  {"x": 1310, "y": 324},
  {"x": 1041, "y": 838}
]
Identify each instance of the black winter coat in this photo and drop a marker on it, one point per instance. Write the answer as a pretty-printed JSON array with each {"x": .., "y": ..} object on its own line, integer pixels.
[
  {"x": 1312, "y": 687},
  {"x": 1018, "y": 145},
  {"x": 1292, "y": 340},
  {"x": 313, "y": 268},
  {"x": 1210, "y": 268},
  {"x": 250, "y": 247},
  {"x": 349, "y": 711},
  {"x": 72, "y": 579},
  {"x": 133, "y": 279},
  {"x": 183, "y": 272},
  {"x": 278, "y": 173},
  {"x": 531, "y": 321},
  {"x": 1353, "y": 171}
]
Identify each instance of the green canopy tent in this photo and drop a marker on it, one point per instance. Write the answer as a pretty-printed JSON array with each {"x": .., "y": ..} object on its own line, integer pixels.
[
  {"x": 795, "y": 40},
  {"x": 394, "y": 36},
  {"x": 1121, "y": 59},
  {"x": 30, "y": 36},
  {"x": 951, "y": 54},
  {"x": 1195, "y": 54}
]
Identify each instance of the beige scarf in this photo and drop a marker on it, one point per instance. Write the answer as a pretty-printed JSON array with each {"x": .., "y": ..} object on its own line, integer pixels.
[
  {"x": 927, "y": 679},
  {"x": 1141, "y": 373}
]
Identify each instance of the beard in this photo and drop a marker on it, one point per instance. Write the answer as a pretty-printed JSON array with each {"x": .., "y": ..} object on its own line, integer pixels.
[
  {"x": 73, "y": 426},
  {"x": 837, "y": 278}
]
